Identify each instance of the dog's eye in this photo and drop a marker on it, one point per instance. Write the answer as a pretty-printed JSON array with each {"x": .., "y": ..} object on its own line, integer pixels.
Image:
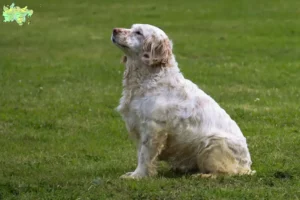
[{"x": 138, "y": 32}]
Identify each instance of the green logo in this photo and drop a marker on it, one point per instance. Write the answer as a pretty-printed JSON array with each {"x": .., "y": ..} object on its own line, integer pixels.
[{"x": 17, "y": 14}]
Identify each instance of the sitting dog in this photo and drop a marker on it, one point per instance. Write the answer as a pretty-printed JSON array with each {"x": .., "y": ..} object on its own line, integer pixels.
[{"x": 170, "y": 118}]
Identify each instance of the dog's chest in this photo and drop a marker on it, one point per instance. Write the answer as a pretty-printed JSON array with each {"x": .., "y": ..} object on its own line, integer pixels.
[{"x": 130, "y": 114}]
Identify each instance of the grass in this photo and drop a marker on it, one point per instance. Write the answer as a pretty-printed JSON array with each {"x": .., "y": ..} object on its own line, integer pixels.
[{"x": 60, "y": 80}]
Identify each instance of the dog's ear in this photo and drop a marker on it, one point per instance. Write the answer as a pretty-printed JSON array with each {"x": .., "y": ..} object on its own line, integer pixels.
[
  {"x": 124, "y": 59},
  {"x": 157, "y": 52}
]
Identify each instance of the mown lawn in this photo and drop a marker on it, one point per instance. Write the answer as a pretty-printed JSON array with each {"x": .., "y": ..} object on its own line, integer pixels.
[{"x": 60, "y": 80}]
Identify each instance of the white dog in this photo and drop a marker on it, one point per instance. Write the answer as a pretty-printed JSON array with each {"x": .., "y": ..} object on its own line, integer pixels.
[{"x": 169, "y": 116}]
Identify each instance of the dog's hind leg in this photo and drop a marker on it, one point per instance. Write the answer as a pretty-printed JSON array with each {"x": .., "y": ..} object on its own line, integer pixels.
[{"x": 217, "y": 158}]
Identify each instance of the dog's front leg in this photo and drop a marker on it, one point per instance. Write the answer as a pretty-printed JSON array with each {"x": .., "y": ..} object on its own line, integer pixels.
[
  {"x": 151, "y": 144},
  {"x": 144, "y": 160}
]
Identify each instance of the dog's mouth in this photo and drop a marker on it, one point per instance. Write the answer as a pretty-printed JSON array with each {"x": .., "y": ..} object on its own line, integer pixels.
[{"x": 118, "y": 44}]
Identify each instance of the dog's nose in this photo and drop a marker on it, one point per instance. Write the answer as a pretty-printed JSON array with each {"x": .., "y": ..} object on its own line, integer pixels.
[{"x": 116, "y": 31}]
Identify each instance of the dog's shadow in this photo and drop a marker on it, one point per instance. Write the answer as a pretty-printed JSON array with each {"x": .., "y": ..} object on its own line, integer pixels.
[
  {"x": 167, "y": 172},
  {"x": 175, "y": 174}
]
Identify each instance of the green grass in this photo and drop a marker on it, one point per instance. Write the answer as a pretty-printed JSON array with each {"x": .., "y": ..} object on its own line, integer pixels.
[{"x": 60, "y": 80}]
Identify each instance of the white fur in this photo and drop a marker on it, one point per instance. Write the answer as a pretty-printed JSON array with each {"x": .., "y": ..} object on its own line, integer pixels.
[{"x": 169, "y": 116}]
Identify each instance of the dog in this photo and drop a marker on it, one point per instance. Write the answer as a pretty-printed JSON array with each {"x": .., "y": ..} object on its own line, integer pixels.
[{"x": 170, "y": 118}]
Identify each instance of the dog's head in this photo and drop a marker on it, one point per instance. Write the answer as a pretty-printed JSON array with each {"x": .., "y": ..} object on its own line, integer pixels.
[{"x": 144, "y": 42}]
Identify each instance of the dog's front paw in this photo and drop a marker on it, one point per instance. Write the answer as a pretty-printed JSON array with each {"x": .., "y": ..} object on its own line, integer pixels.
[{"x": 132, "y": 175}]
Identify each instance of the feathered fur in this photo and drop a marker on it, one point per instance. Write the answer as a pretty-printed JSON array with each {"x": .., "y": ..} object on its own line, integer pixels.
[{"x": 170, "y": 118}]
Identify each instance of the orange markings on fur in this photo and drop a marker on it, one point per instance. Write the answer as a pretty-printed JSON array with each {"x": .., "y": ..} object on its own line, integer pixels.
[{"x": 157, "y": 53}]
